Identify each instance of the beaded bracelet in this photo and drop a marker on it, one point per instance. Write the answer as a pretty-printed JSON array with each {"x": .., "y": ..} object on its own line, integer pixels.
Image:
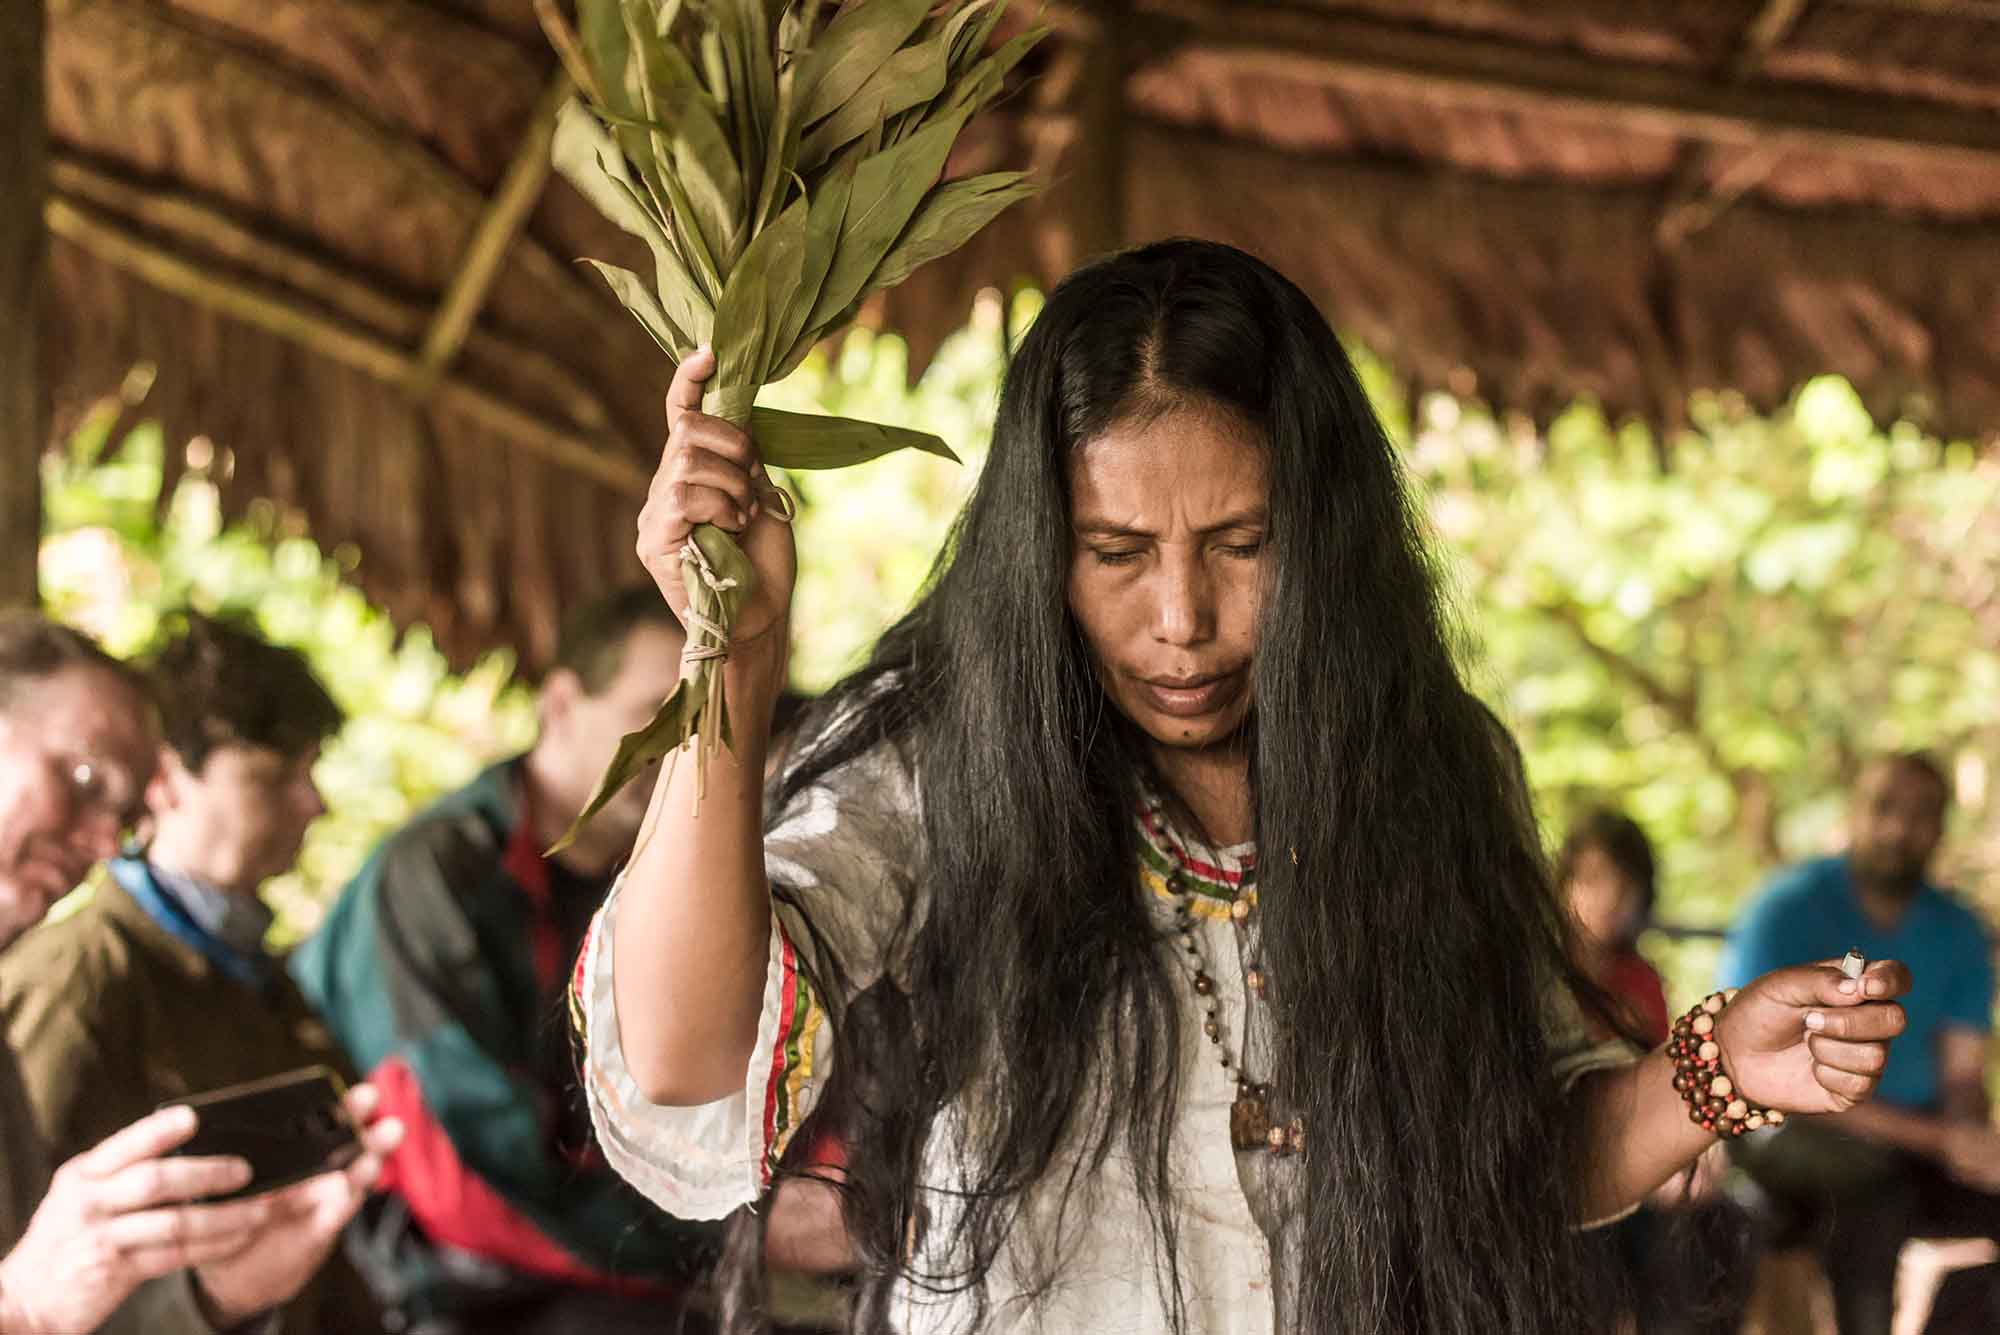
[{"x": 1711, "y": 1096}]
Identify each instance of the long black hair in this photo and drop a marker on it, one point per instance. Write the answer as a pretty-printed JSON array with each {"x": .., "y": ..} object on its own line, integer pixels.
[{"x": 1409, "y": 928}]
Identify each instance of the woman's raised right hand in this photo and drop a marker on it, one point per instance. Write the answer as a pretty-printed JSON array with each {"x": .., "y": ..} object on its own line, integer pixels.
[{"x": 709, "y": 473}]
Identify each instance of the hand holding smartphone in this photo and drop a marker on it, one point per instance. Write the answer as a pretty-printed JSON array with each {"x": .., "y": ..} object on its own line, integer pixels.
[{"x": 287, "y": 1128}]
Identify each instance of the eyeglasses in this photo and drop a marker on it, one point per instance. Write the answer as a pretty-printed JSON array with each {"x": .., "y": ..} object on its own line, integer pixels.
[{"x": 97, "y": 787}]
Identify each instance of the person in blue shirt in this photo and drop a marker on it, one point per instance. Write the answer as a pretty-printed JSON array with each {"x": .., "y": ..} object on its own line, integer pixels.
[{"x": 1921, "y": 1159}]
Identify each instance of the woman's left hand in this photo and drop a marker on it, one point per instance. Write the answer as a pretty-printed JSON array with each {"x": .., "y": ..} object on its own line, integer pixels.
[{"x": 1810, "y": 1039}]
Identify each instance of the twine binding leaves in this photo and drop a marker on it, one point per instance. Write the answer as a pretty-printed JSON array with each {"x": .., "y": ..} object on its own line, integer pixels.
[{"x": 780, "y": 160}]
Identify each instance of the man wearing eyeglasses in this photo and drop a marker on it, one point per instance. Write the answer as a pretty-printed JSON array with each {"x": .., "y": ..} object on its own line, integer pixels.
[{"x": 110, "y": 1240}]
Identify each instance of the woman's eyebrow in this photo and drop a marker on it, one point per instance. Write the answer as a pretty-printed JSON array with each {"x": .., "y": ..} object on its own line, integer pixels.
[
  {"x": 1254, "y": 517},
  {"x": 1104, "y": 528}
]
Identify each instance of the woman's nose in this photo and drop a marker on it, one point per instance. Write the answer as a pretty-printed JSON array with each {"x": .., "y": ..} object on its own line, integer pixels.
[{"x": 1184, "y": 611}]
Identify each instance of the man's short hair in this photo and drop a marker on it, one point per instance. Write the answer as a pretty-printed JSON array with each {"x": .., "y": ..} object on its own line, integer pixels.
[
  {"x": 33, "y": 648},
  {"x": 1921, "y": 763},
  {"x": 592, "y": 644},
  {"x": 220, "y": 684}
]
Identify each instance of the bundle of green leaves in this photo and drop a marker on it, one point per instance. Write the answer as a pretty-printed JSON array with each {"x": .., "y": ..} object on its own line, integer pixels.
[{"x": 781, "y": 159}]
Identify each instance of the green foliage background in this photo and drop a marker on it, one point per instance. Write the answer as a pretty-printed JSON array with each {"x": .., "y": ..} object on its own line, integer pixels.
[
  {"x": 1718, "y": 644},
  {"x": 1711, "y": 632},
  {"x": 115, "y": 561}
]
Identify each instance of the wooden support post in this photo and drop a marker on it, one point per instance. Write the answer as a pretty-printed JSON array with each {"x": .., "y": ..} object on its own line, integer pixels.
[
  {"x": 1075, "y": 126},
  {"x": 23, "y": 422},
  {"x": 1099, "y": 160},
  {"x": 1692, "y": 200}
]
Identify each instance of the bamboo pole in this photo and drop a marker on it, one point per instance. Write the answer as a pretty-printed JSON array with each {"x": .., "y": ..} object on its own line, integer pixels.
[{"x": 505, "y": 216}]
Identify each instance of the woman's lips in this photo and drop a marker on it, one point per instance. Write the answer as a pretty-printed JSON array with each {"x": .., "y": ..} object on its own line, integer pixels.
[{"x": 1189, "y": 697}]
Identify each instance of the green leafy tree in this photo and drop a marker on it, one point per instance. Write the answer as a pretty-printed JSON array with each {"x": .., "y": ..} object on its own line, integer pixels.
[{"x": 1717, "y": 643}]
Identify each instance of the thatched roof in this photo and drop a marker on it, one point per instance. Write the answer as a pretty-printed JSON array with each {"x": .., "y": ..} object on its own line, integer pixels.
[{"x": 328, "y": 224}]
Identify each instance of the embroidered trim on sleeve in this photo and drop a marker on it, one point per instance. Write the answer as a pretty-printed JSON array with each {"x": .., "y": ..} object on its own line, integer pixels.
[
  {"x": 579, "y": 983},
  {"x": 800, "y": 1019}
]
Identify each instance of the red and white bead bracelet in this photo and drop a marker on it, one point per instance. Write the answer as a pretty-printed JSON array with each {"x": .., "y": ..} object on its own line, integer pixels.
[{"x": 1711, "y": 1096}]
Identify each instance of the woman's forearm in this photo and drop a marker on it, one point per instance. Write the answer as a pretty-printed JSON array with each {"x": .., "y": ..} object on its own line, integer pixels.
[
  {"x": 693, "y": 928},
  {"x": 1639, "y": 1134}
]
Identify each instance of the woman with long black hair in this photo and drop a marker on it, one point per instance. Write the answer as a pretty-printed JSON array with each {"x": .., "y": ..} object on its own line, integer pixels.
[{"x": 1154, "y": 917}]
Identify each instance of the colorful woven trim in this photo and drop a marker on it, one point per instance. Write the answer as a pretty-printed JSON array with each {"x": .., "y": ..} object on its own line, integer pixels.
[
  {"x": 800, "y": 1019},
  {"x": 579, "y": 974},
  {"x": 1211, "y": 889}
]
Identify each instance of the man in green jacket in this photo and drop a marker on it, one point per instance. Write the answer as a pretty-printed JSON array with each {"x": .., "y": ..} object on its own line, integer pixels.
[
  {"x": 442, "y": 970},
  {"x": 158, "y": 986},
  {"x": 114, "y": 1229}
]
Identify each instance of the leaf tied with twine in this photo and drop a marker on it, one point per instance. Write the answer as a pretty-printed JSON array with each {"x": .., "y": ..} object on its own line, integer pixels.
[{"x": 781, "y": 160}]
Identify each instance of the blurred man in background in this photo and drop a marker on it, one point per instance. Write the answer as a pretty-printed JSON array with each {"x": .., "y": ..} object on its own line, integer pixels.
[
  {"x": 442, "y": 969},
  {"x": 1922, "y": 1158}
]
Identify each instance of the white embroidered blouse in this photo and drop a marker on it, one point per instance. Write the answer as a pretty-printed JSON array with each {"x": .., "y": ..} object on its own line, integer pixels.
[{"x": 835, "y": 846}]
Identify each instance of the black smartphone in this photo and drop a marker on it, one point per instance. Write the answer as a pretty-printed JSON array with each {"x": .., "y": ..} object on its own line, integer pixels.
[{"x": 288, "y": 1127}]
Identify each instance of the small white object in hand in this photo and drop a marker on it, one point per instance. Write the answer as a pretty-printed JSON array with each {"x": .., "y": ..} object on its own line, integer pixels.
[{"x": 1853, "y": 963}]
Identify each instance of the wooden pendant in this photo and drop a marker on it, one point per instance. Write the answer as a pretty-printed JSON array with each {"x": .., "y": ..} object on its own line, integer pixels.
[{"x": 1250, "y": 1117}]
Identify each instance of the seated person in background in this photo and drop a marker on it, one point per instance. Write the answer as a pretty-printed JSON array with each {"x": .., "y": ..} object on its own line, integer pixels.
[
  {"x": 1606, "y": 871},
  {"x": 1683, "y": 1250},
  {"x": 442, "y": 969},
  {"x": 1922, "y": 1159},
  {"x": 107, "y": 1014}
]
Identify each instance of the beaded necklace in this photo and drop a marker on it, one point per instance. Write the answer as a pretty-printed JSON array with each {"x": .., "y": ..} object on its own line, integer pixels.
[{"x": 1252, "y": 1125}]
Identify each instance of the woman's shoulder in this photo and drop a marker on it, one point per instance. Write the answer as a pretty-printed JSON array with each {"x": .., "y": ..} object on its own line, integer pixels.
[
  {"x": 879, "y": 778},
  {"x": 851, "y": 752},
  {"x": 842, "y": 857}
]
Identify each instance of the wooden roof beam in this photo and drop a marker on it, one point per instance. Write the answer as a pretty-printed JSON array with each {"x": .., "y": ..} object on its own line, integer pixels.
[
  {"x": 505, "y": 216},
  {"x": 193, "y": 228},
  {"x": 1690, "y": 202},
  {"x": 262, "y": 79},
  {"x": 1349, "y": 51},
  {"x": 1978, "y": 9},
  {"x": 275, "y": 312}
]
